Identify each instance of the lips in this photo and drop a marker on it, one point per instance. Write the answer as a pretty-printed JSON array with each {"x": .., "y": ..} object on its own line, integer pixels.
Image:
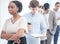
[{"x": 10, "y": 12}]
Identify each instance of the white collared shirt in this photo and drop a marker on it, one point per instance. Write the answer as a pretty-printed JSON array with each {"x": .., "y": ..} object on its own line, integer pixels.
[
  {"x": 57, "y": 13},
  {"x": 47, "y": 19},
  {"x": 38, "y": 23}
]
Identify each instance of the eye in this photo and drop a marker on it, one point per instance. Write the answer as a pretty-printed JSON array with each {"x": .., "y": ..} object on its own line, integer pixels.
[{"x": 10, "y": 7}]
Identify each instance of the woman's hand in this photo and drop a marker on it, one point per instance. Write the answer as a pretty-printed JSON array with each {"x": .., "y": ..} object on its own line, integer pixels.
[
  {"x": 4, "y": 35},
  {"x": 13, "y": 37}
]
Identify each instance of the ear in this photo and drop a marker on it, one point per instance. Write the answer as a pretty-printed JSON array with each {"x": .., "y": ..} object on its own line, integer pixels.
[{"x": 17, "y": 9}]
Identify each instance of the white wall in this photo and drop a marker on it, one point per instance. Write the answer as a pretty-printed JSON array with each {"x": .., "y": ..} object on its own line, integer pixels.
[{"x": 3, "y": 12}]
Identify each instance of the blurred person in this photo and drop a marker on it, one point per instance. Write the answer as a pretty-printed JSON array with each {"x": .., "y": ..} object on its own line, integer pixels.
[
  {"x": 50, "y": 21},
  {"x": 15, "y": 28},
  {"x": 57, "y": 12},
  {"x": 40, "y": 10},
  {"x": 38, "y": 24}
]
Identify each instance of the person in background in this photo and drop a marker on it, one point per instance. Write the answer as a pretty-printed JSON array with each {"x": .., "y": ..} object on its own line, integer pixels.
[
  {"x": 38, "y": 24},
  {"x": 50, "y": 21},
  {"x": 57, "y": 12},
  {"x": 40, "y": 10},
  {"x": 15, "y": 28}
]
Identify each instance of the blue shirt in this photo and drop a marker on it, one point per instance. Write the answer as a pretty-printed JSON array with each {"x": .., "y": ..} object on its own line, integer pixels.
[{"x": 38, "y": 23}]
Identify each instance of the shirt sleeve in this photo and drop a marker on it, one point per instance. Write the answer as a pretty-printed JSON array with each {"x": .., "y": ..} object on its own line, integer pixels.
[
  {"x": 5, "y": 25},
  {"x": 43, "y": 25},
  {"x": 24, "y": 25}
]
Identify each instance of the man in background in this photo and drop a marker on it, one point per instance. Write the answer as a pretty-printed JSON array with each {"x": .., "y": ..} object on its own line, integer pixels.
[
  {"x": 50, "y": 21},
  {"x": 57, "y": 13}
]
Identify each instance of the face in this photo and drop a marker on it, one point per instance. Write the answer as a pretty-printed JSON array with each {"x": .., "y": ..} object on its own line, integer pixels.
[
  {"x": 12, "y": 8},
  {"x": 40, "y": 10},
  {"x": 57, "y": 6},
  {"x": 46, "y": 11},
  {"x": 34, "y": 10}
]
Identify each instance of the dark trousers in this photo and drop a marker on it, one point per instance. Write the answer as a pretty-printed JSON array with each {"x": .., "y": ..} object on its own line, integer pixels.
[
  {"x": 22, "y": 41},
  {"x": 10, "y": 42},
  {"x": 43, "y": 42},
  {"x": 56, "y": 35}
]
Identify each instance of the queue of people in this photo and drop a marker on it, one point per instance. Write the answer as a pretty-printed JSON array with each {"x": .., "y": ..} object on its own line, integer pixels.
[{"x": 39, "y": 26}]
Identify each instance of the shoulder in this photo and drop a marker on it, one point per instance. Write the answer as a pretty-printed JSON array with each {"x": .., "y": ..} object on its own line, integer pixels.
[
  {"x": 52, "y": 13},
  {"x": 23, "y": 18},
  {"x": 8, "y": 20}
]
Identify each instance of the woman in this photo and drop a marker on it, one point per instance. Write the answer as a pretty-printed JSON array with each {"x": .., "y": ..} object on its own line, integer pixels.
[{"x": 15, "y": 28}]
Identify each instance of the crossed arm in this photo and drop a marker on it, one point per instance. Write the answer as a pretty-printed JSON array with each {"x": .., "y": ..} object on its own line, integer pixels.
[{"x": 14, "y": 37}]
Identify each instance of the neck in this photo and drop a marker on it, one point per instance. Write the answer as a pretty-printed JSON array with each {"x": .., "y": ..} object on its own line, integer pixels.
[
  {"x": 47, "y": 12},
  {"x": 15, "y": 16},
  {"x": 33, "y": 13}
]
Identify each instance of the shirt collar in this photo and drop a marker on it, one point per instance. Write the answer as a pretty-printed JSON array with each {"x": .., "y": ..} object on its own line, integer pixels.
[
  {"x": 47, "y": 13},
  {"x": 34, "y": 14}
]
